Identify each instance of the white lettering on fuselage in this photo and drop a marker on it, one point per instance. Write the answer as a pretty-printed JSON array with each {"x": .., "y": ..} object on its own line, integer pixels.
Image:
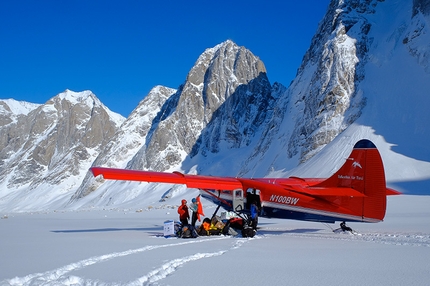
[
  {"x": 284, "y": 199},
  {"x": 350, "y": 177}
]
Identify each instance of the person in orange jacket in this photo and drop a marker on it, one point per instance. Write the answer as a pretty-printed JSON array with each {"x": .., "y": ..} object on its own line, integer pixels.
[{"x": 183, "y": 213}]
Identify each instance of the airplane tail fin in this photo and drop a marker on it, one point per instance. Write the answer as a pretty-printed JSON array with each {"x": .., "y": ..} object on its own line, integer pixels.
[{"x": 364, "y": 172}]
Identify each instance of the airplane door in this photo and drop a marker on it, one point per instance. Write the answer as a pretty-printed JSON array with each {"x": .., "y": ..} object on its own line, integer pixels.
[{"x": 238, "y": 200}]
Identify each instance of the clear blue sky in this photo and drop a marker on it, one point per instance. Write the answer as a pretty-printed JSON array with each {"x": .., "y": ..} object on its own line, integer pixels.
[{"x": 121, "y": 49}]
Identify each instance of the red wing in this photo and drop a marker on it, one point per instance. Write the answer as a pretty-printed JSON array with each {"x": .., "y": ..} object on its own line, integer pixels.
[
  {"x": 217, "y": 183},
  {"x": 192, "y": 181}
]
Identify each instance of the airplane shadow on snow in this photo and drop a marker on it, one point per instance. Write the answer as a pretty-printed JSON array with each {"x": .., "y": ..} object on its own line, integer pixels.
[
  {"x": 266, "y": 230},
  {"x": 110, "y": 229},
  {"x": 284, "y": 231},
  {"x": 156, "y": 230}
]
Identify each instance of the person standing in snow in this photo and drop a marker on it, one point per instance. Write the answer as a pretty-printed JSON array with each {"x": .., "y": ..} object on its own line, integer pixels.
[
  {"x": 194, "y": 206},
  {"x": 254, "y": 215},
  {"x": 183, "y": 213}
]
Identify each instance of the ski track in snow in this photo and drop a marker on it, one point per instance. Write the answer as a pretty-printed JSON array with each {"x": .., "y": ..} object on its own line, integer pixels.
[
  {"x": 59, "y": 276},
  {"x": 404, "y": 239}
]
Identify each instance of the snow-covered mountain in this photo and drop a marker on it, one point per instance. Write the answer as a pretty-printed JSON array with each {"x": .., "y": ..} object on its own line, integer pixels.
[
  {"x": 365, "y": 75},
  {"x": 130, "y": 139},
  {"x": 225, "y": 99},
  {"x": 47, "y": 149}
]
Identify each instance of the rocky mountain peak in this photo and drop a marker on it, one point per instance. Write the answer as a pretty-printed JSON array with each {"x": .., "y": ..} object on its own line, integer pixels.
[
  {"x": 78, "y": 96},
  {"x": 55, "y": 141},
  {"x": 216, "y": 103},
  {"x": 226, "y": 97}
]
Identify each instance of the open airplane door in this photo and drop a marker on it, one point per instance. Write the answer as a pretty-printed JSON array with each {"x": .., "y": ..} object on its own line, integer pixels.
[{"x": 238, "y": 200}]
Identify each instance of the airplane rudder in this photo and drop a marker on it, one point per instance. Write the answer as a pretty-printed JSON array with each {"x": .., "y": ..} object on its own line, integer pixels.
[
  {"x": 363, "y": 171},
  {"x": 375, "y": 186},
  {"x": 368, "y": 177}
]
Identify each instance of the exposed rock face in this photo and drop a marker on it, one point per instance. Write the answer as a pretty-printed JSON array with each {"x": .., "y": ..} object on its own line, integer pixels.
[
  {"x": 234, "y": 108},
  {"x": 414, "y": 40},
  {"x": 128, "y": 141},
  {"x": 331, "y": 68},
  {"x": 224, "y": 99},
  {"x": 421, "y": 6},
  {"x": 53, "y": 141}
]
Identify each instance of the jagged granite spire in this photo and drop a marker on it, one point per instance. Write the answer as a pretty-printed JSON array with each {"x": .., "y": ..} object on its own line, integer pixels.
[{"x": 224, "y": 99}]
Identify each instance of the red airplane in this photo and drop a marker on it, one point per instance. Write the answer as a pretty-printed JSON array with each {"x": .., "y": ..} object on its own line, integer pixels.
[{"x": 356, "y": 192}]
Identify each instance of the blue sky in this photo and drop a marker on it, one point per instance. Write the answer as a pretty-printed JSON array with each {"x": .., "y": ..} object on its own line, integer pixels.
[{"x": 121, "y": 49}]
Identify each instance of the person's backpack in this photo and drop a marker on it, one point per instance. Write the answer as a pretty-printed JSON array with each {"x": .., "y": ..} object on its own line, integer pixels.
[{"x": 186, "y": 232}]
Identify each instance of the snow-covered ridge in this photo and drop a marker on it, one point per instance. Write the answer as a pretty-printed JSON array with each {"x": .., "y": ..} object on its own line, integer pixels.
[
  {"x": 88, "y": 98},
  {"x": 17, "y": 107},
  {"x": 75, "y": 97}
]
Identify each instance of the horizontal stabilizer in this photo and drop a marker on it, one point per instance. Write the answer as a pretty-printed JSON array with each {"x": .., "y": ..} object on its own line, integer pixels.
[{"x": 391, "y": 192}]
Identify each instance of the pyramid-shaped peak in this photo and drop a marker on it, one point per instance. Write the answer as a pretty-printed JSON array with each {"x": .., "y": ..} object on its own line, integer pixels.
[
  {"x": 227, "y": 45},
  {"x": 75, "y": 96}
]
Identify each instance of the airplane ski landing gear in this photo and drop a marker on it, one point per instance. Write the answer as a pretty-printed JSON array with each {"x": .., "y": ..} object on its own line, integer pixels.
[{"x": 343, "y": 229}]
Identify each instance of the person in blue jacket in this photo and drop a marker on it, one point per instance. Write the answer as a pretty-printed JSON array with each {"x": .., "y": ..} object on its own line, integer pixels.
[
  {"x": 194, "y": 206},
  {"x": 254, "y": 215}
]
